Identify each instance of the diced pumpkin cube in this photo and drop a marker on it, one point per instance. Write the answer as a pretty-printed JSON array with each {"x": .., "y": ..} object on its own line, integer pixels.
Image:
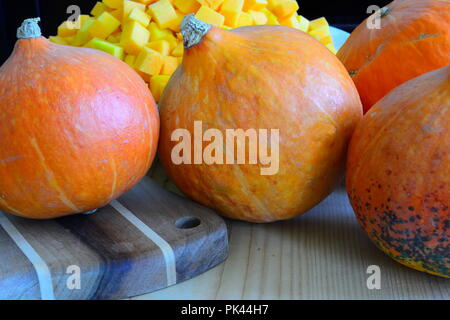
[
  {"x": 322, "y": 34},
  {"x": 104, "y": 26},
  {"x": 259, "y": 18},
  {"x": 179, "y": 36},
  {"x": 213, "y": 4},
  {"x": 187, "y": 6},
  {"x": 255, "y": 5},
  {"x": 128, "y": 6},
  {"x": 331, "y": 47},
  {"x": 129, "y": 60},
  {"x": 58, "y": 40},
  {"x": 146, "y": 2},
  {"x": 134, "y": 37},
  {"x": 169, "y": 66},
  {"x": 318, "y": 23},
  {"x": 149, "y": 61},
  {"x": 171, "y": 39},
  {"x": 271, "y": 18},
  {"x": 107, "y": 47},
  {"x": 162, "y": 46},
  {"x": 157, "y": 85},
  {"x": 163, "y": 12},
  {"x": 139, "y": 16},
  {"x": 176, "y": 24},
  {"x": 231, "y": 10},
  {"x": 179, "y": 50},
  {"x": 273, "y": 3},
  {"x": 245, "y": 19},
  {"x": 83, "y": 35},
  {"x": 113, "y": 4},
  {"x": 291, "y": 21},
  {"x": 210, "y": 16},
  {"x": 156, "y": 32},
  {"x": 304, "y": 23},
  {"x": 285, "y": 9},
  {"x": 98, "y": 9},
  {"x": 114, "y": 38},
  {"x": 117, "y": 13},
  {"x": 66, "y": 29}
]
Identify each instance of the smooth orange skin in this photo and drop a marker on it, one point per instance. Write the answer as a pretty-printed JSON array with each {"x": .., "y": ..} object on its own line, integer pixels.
[
  {"x": 398, "y": 173},
  {"x": 78, "y": 128},
  {"x": 262, "y": 77},
  {"x": 414, "y": 39}
]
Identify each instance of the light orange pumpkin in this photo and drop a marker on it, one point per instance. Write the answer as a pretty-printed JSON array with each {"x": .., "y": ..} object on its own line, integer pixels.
[
  {"x": 260, "y": 77},
  {"x": 78, "y": 128},
  {"x": 398, "y": 173},
  {"x": 414, "y": 39}
]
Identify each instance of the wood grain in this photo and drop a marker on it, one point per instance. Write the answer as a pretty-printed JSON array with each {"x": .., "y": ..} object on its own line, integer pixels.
[
  {"x": 323, "y": 254},
  {"x": 117, "y": 260}
]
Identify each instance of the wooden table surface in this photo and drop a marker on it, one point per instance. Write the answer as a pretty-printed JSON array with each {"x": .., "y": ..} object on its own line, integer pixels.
[{"x": 322, "y": 254}]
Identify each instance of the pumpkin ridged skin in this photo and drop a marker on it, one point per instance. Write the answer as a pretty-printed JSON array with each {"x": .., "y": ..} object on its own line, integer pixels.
[
  {"x": 262, "y": 77},
  {"x": 78, "y": 128},
  {"x": 414, "y": 39},
  {"x": 398, "y": 173}
]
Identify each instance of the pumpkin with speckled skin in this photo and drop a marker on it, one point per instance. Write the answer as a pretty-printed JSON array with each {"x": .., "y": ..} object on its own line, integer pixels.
[
  {"x": 398, "y": 173},
  {"x": 413, "y": 39},
  {"x": 261, "y": 77},
  {"x": 78, "y": 128}
]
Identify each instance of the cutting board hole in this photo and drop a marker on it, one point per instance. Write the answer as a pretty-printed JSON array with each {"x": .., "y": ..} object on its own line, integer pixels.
[{"x": 187, "y": 223}]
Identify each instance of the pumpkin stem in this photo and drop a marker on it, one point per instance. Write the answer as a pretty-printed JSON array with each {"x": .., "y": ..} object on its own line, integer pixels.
[
  {"x": 193, "y": 30},
  {"x": 29, "y": 29}
]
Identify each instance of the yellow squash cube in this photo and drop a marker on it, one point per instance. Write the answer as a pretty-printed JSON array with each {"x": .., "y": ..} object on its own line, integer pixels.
[
  {"x": 149, "y": 61},
  {"x": 210, "y": 16},
  {"x": 245, "y": 19},
  {"x": 213, "y": 4},
  {"x": 255, "y": 5},
  {"x": 259, "y": 18},
  {"x": 171, "y": 39},
  {"x": 231, "y": 10},
  {"x": 139, "y": 16},
  {"x": 169, "y": 66},
  {"x": 162, "y": 46},
  {"x": 104, "y": 26},
  {"x": 98, "y": 9},
  {"x": 285, "y": 9},
  {"x": 273, "y": 3},
  {"x": 134, "y": 37},
  {"x": 128, "y": 6},
  {"x": 157, "y": 85},
  {"x": 322, "y": 34},
  {"x": 187, "y": 6},
  {"x": 117, "y": 13},
  {"x": 331, "y": 47},
  {"x": 163, "y": 13},
  {"x": 304, "y": 23}
]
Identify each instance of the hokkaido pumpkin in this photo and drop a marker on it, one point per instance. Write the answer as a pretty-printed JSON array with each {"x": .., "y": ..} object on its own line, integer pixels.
[
  {"x": 398, "y": 173},
  {"x": 78, "y": 128},
  {"x": 258, "y": 78},
  {"x": 413, "y": 39}
]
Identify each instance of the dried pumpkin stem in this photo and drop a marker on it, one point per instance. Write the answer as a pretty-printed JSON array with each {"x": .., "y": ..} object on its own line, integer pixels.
[
  {"x": 193, "y": 30},
  {"x": 29, "y": 29}
]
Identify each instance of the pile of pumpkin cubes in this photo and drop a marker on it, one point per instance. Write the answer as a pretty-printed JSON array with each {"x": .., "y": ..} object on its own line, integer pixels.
[{"x": 146, "y": 33}]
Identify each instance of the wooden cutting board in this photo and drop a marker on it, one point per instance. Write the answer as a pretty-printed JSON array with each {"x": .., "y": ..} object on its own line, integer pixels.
[{"x": 146, "y": 240}]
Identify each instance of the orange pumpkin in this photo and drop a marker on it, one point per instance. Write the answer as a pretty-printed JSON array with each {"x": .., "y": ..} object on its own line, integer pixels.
[
  {"x": 260, "y": 77},
  {"x": 78, "y": 128},
  {"x": 398, "y": 173},
  {"x": 414, "y": 39}
]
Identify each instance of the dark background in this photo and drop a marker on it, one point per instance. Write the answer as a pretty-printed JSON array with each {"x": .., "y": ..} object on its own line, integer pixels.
[{"x": 344, "y": 14}]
